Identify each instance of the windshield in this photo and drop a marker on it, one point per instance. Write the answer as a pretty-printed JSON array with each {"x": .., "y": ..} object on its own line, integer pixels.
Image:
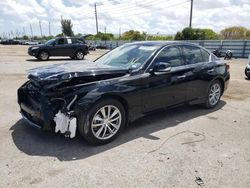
[
  {"x": 50, "y": 42},
  {"x": 130, "y": 56}
]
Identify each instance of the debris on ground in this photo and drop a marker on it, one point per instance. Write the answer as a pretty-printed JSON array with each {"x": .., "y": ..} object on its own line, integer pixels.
[{"x": 199, "y": 181}]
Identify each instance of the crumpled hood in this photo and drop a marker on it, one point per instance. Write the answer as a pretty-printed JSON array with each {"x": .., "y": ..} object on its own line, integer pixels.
[{"x": 71, "y": 70}]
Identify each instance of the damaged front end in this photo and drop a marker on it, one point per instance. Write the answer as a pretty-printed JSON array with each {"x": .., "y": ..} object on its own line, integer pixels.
[
  {"x": 48, "y": 100},
  {"x": 48, "y": 110}
]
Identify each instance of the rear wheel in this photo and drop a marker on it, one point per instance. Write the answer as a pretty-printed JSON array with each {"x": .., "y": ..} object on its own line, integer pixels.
[
  {"x": 104, "y": 122},
  {"x": 43, "y": 55},
  {"x": 214, "y": 94},
  {"x": 79, "y": 55},
  {"x": 247, "y": 74}
]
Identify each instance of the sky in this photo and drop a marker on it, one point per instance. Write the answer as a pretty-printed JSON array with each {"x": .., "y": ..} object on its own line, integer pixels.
[{"x": 151, "y": 16}]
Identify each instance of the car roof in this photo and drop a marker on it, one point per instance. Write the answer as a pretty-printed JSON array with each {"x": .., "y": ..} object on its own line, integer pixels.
[{"x": 161, "y": 43}]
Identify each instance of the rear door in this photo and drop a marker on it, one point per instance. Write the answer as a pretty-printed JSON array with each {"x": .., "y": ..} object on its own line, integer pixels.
[
  {"x": 200, "y": 71},
  {"x": 166, "y": 88}
]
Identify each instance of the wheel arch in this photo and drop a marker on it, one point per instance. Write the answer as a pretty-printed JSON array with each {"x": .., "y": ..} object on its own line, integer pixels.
[
  {"x": 222, "y": 82},
  {"x": 43, "y": 50},
  {"x": 120, "y": 99},
  {"x": 84, "y": 104}
]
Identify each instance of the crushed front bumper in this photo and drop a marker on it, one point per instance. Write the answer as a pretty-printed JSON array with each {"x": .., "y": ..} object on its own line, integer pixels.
[{"x": 38, "y": 112}]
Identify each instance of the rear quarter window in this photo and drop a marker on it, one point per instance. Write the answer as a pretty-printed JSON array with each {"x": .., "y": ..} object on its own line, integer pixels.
[{"x": 205, "y": 55}]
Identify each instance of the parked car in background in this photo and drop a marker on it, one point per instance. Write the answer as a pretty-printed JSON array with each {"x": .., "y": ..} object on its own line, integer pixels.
[
  {"x": 227, "y": 55},
  {"x": 92, "y": 47},
  {"x": 247, "y": 69},
  {"x": 9, "y": 42},
  {"x": 31, "y": 42},
  {"x": 75, "y": 48},
  {"x": 99, "y": 98},
  {"x": 101, "y": 46}
]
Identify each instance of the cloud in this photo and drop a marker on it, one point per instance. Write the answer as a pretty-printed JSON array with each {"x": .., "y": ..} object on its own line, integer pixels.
[{"x": 163, "y": 16}]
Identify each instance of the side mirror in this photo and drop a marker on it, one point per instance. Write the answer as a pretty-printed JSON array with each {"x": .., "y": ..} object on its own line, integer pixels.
[{"x": 161, "y": 67}]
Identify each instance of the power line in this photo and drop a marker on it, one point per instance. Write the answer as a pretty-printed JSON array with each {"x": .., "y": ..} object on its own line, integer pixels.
[{"x": 117, "y": 15}]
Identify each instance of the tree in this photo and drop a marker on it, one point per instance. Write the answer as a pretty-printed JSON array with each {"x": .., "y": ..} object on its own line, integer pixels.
[
  {"x": 101, "y": 36},
  {"x": 178, "y": 36},
  {"x": 25, "y": 37},
  {"x": 210, "y": 34},
  {"x": 67, "y": 27},
  {"x": 133, "y": 35},
  {"x": 234, "y": 33},
  {"x": 196, "y": 34},
  {"x": 59, "y": 35},
  {"x": 248, "y": 34},
  {"x": 159, "y": 37}
]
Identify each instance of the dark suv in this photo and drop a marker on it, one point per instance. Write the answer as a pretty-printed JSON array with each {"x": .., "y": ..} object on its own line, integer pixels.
[{"x": 75, "y": 48}]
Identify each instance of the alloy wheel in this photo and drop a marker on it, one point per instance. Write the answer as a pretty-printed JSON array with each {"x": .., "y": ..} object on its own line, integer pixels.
[
  {"x": 79, "y": 55},
  {"x": 106, "y": 122},
  {"x": 214, "y": 94},
  {"x": 44, "y": 55}
]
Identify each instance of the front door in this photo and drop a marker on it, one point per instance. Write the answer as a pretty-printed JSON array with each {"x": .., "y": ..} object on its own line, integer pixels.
[{"x": 164, "y": 89}]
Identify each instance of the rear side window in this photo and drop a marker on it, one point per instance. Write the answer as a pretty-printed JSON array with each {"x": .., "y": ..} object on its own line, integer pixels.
[
  {"x": 76, "y": 41},
  {"x": 192, "y": 54},
  {"x": 170, "y": 55}
]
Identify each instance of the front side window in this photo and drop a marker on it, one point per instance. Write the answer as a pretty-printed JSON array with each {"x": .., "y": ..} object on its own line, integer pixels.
[
  {"x": 60, "y": 41},
  {"x": 170, "y": 55},
  {"x": 192, "y": 54}
]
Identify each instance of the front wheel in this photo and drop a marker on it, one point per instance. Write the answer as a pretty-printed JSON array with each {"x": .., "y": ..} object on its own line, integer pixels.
[
  {"x": 104, "y": 122},
  {"x": 79, "y": 55},
  {"x": 214, "y": 94},
  {"x": 43, "y": 55}
]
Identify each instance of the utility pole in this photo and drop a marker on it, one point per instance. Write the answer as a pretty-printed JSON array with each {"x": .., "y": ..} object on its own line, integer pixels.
[
  {"x": 120, "y": 32},
  {"x": 191, "y": 14},
  {"x": 96, "y": 22},
  {"x": 49, "y": 30},
  {"x": 105, "y": 36},
  {"x": 40, "y": 28},
  {"x": 31, "y": 31},
  {"x": 24, "y": 33}
]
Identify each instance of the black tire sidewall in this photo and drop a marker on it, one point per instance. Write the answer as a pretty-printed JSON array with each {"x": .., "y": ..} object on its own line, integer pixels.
[
  {"x": 208, "y": 105},
  {"x": 39, "y": 55},
  {"x": 82, "y": 56},
  {"x": 84, "y": 126}
]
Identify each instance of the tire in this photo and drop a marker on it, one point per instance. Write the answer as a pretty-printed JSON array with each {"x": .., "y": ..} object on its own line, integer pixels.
[
  {"x": 79, "y": 55},
  {"x": 95, "y": 129},
  {"x": 72, "y": 57},
  {"x": 43, "y": 55},
  {"x": 214, "y": 94},
  {"x": 247, "y": 75}
]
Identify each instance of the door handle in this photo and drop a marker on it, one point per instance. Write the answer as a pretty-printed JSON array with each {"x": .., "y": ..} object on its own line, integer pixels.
[
  {"x": 210, "y": 70},
  {"x": 181, "y": 77}
]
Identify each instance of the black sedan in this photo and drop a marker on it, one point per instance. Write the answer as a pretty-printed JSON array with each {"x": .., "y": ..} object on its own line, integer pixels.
[
  {"x": 99, "y": 98},
  {"x": 75, "y": 48}
]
